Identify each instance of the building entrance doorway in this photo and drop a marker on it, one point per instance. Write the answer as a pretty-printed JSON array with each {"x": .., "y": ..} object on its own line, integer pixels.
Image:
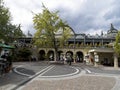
[
  {"x": 70, "y": 53},
  {"x": 51, "y": 55},
  {"x": 60, "y": 56},
  {"x": 79, "y": 56},
  {"x": 41, "y": 55}
]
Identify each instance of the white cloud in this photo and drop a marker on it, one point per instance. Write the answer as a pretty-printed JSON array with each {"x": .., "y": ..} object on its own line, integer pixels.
[{"x": 82, "y": 15}]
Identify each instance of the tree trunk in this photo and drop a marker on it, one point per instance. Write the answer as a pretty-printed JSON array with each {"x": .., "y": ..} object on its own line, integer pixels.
[
  {"x": 56, "y": 51},
  {"x": 56, "y": 54}
]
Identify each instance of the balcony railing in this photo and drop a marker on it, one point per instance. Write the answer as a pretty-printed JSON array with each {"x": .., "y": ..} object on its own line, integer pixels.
[{"x": 77, "y": 46}]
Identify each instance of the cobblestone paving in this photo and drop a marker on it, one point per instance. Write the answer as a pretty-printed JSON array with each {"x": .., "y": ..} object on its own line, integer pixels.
[
  {"x": 79, "y": 83},
  {"x": 82, "y": 82},
  {"x": 10, "y": 80}
]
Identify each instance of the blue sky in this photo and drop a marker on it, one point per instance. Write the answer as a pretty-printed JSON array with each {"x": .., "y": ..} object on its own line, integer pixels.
[{"x": 84, "y": 16}]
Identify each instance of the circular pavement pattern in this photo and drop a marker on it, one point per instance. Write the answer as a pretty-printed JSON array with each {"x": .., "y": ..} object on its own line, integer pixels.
[{"x": 51, "y": 71}]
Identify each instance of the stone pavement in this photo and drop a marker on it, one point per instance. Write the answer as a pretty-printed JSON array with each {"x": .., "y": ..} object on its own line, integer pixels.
[
  {"x": 10, "y": 80},
  {"x": 84, "y": 82},
  {"x": 79, "y": 82}
]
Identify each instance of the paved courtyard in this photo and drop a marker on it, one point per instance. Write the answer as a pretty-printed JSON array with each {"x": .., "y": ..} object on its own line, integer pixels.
[
  {"x": 79, "y": 83},
  {"x": 45, "y": 76}
]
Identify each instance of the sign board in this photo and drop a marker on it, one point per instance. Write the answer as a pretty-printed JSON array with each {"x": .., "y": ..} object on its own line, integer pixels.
[{"x": 96, "y": 58}]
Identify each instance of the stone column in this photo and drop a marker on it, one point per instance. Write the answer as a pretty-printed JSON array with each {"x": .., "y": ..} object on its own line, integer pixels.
[
  {"x": 55, "y": 56},
  {"x": 74, "y": 57},
  {"x": 115, "y": 61},
  {"x": 96, "y": 64},
  {"x": 90, "y": 58},
  {"x": 96, "y": 59}
]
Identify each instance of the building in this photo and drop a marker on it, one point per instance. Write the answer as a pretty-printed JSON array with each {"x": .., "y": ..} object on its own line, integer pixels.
[{"x": 95, "y": 49}]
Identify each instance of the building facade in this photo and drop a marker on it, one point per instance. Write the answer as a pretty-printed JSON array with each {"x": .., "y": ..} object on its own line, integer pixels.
[{"x": 91, "y": 49}]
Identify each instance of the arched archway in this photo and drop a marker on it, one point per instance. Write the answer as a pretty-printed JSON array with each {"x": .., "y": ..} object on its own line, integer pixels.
[
  {"x": 41, "y": 55},
  {"x": 79, "y": 56},
  {"x": 50, "y": 55},
  {"x": 59, "y": 54},
  {"x": 71, "y": 53}
]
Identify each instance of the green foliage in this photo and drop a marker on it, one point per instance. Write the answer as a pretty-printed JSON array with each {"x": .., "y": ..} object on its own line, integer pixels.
[
  {"x": 100, "y": 44},
  {"x": 65, "y": 36},
  {"x": 7, "y": 30},
  {"x": 47, "y": 24},
  {"x": 24, "y": 53},
  {"x": 82, "y": 44},
  {"x": 90, "y": 44},
  {"x": 16, "y": 31},
  {"x": 117, "y": 44},
  {"x": 77, "y": 45},
  {"x": 4, "y": 14},
  {"x": 4, "y": 18}
]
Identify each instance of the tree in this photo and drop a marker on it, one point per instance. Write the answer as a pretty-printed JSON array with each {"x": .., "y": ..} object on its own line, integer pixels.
[
  {"x": 4, "y": 19},
  {"x": 117, "y": 44},
  {"x": 65, "y": 35},
  {"x": 50, "y": 30},
  {"x": 117, "y": 49},
  {"x": 7, "y": 30},
  {"x": 24, "y": 54},
  {"x": 15, "y": 31}
]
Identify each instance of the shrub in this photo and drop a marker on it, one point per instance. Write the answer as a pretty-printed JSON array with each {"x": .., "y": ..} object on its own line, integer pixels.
[{"x": 24, "y": 53}]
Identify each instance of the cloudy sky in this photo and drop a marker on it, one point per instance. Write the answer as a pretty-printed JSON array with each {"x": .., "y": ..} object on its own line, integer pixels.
[{"x": 84, "y": 16}]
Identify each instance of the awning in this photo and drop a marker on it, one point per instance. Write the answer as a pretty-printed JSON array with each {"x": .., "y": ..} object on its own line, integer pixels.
[
  {"x": 102, "y": 50},
  {"x": 6, "y": 46}
]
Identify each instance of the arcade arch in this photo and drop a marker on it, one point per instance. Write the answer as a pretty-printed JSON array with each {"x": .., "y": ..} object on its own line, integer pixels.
[
  {"x": 79, "y": 56},
  {"x": 50, "y": 55},
  {"x": 41, "y": 55},
  {"x": 60, "y": 54},
  {"x": 71, "y": 53}
]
